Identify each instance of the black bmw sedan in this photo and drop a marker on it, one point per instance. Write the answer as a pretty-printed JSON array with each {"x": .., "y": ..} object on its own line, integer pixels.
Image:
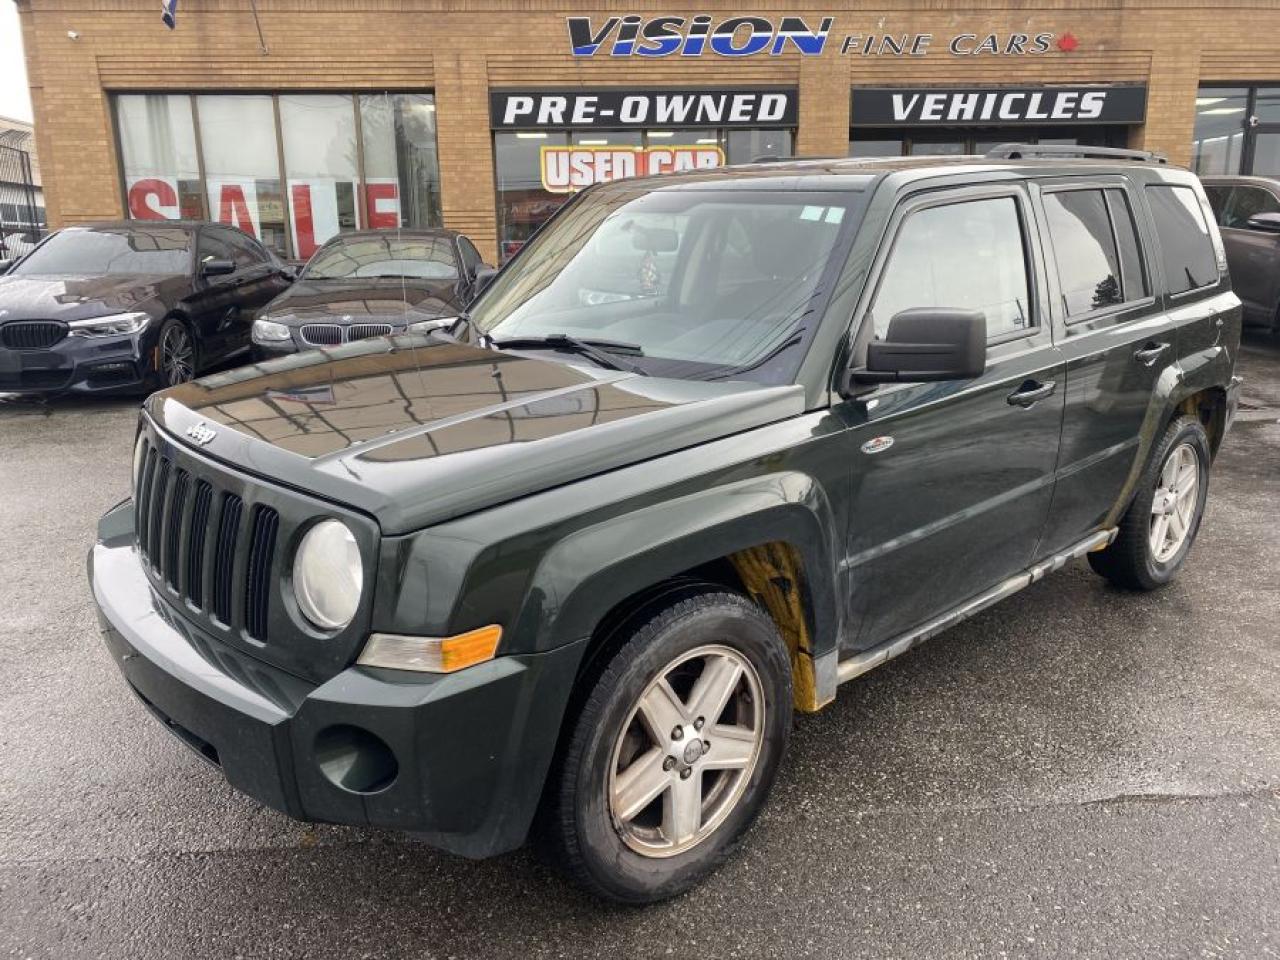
[
  {"x": 131, "y": 306},
  {"x": 369, "y": 284}
]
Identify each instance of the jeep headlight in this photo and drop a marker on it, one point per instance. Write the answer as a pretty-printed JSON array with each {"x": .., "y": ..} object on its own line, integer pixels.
[
  {"x": 328, "y": 576},
  {"x": 268, "y": 331}
]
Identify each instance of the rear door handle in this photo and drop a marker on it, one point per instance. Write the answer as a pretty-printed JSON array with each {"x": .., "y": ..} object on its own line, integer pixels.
[
  {"x": 1150, "y": 353},
  {"x": 1031, "y": 392}
]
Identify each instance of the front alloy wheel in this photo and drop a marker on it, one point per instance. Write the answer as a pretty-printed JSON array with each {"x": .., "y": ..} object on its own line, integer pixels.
[
  {"x": 687, "y": 751},
  {"x": 674, "y": 746},
  {"x": 177, "y": 354}
]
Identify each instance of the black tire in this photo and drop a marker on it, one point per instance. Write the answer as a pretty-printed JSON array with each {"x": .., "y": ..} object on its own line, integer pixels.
[
  {"x": 173, "y": 329},
  {"x": 1130, "y": 561},
  {"x": 579, "y": 826}
]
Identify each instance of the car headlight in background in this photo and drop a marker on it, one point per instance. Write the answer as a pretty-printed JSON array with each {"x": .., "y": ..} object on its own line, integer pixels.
[
  {"x": 115, "y": 325},
  {"x": 435, "y": 323},
  {"x": 268, "y": 331},
  {"x": 328, "y": 576}
]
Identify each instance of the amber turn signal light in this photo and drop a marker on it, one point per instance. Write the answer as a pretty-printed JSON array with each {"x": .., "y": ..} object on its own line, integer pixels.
[{"x": 431, "y": 654}]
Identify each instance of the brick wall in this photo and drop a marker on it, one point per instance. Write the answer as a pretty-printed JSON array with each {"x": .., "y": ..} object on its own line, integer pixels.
[{"x": 461, "y": 48}]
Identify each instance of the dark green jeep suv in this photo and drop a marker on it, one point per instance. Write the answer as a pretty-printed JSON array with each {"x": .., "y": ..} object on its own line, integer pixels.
[{"x": 708, "y": 447}]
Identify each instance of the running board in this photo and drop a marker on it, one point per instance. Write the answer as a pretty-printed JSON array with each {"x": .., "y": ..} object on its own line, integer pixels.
[{"x": 860, "y": 663}]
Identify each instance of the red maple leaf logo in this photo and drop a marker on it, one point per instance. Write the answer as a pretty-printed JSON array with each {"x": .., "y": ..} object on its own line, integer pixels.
[{"x": 1068, "y": 42}]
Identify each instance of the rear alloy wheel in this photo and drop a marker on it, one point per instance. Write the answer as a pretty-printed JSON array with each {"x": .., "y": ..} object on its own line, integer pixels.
[
  {"x": 176, "y": 354},
  {"x": 1158, "y": 529},
  {"x": 675, "y": 748}
]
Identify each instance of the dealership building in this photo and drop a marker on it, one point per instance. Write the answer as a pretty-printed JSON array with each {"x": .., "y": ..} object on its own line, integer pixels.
[{"x": 297, "y": 119}]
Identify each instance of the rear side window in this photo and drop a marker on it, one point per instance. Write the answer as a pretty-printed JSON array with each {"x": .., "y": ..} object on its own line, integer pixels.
[
  {"x": 1186, "y": 247},
  {"x": 1096, "y": 247},
  {"x": 1085, "y": 248},
  {"x": 1133, "y": 270},
  {"x": 968, "y": 256}
]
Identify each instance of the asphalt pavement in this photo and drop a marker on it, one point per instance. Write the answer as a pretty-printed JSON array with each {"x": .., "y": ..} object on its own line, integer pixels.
[{"x": 1078, "y": 772}]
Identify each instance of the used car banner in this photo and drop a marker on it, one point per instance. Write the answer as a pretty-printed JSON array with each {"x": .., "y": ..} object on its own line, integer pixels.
[{"x": 565, "y": 169}]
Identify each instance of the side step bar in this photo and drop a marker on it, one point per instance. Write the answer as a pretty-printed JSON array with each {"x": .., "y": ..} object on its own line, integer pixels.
[{"x": 860, "y": 663}]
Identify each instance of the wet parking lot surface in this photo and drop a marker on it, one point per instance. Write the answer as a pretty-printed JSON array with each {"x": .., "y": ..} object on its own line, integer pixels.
[{"x": 1078, "y": 772}]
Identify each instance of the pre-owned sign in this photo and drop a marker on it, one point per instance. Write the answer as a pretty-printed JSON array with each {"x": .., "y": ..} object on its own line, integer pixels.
[
  {"x": 622, "y": 107},
  {"x": 1001, "y": 106}
]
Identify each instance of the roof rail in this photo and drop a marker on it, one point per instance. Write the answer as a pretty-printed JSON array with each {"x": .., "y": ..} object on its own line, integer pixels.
[{"x": 1032, "y": 151}]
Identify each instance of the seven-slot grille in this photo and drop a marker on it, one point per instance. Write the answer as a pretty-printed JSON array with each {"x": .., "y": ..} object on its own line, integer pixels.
[
  {"x": 332, "y": 334},
  {"x": 32, "y": 334},
  {"x": 206, "y": 545}
]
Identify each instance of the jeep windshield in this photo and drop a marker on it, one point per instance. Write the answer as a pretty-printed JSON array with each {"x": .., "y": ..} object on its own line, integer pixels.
[{"x": 698, "y": 282}]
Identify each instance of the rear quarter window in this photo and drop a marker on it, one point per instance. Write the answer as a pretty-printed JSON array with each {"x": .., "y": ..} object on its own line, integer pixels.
[{"x": 1186, "y": 245}]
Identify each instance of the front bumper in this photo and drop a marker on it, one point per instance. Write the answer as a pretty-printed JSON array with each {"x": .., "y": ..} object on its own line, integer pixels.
[
  {"x": 458, "y": 759},
  {"x": 108, "y": 365}
]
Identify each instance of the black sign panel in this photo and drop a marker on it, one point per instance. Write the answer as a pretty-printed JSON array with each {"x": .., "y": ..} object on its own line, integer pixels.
[
  {"x": 997, "y": 106},
  {"x": 622, "y": 107}
]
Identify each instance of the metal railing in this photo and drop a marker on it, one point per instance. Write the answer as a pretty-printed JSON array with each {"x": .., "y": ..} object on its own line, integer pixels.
[{"x": 22, "y": 220}]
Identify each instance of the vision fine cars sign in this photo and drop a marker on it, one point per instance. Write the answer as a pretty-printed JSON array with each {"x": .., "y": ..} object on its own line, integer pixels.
[
  {"x": 746, "y": 36},
  {"x": 957, "y": 106}
]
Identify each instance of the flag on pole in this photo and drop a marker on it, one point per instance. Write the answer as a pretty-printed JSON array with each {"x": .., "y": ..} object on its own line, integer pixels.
[{"x": 170, "y": 14}]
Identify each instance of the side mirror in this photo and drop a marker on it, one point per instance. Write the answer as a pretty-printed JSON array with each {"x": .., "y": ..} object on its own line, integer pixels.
[
  {"x": 484, "y": 276},
  {"x": 1267, "y": 222},
  {"x": 925, "y": 344},
  {"x": 217, "y": 268}
]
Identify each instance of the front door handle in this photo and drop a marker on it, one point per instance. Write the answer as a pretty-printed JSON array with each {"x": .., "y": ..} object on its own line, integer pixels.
[
  {"x": 1031, "y": 392},
  {"x": 1150, "y": 353}
]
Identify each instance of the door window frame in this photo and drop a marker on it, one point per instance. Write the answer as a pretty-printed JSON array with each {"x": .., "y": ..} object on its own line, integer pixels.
[
  {"x": 1119, "y": 312},
  {"x": 1010, "y": 344}
]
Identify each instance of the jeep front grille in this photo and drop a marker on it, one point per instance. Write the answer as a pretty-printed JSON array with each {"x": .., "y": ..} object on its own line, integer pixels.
[
  {"x": 32, "y": 334},
  {"x": 195, "y": 540}
]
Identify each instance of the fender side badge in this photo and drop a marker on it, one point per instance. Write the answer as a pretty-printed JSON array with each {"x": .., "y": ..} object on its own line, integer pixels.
[{"x": 877, "y": 445}]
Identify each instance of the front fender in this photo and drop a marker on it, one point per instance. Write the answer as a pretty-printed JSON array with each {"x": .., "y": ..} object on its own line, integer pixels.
[{"x": 590, "y": 572}]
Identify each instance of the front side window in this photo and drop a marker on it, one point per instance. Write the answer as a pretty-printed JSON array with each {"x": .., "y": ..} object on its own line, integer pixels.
[
  {"x": 384, "y": 257},
  {"x": 1186, "y": 246},
  {"x": 1247, "y": 202},
  {"x": 967, "y": 256},
  {"x": 157, "y": 251},
  {"x": 707, "y": 284}
]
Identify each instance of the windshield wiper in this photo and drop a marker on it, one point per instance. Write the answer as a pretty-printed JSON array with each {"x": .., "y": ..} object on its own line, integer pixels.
[{"x": 600, "y": 351}]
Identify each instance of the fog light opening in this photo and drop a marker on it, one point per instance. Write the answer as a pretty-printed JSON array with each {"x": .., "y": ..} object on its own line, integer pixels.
[{"x": 355, "y": 760}]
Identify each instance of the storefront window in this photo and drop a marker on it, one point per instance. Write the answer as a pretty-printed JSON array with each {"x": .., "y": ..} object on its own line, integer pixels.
[
  {"x": 158, "y": 153},
  {"x": 242, "y": 165},
  {"x": 1218, "y": 146},
  {"x": 219, "y": 157},
  {"x": 319, "y": 135},
  {"x": 537, "y": 172}
]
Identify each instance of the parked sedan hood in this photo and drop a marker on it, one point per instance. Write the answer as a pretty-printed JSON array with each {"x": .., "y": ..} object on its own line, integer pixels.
[
  {"x": 415, "y": 429},
  {"x": 363, "y": 299},
  {"x": 24, "y": 297}
]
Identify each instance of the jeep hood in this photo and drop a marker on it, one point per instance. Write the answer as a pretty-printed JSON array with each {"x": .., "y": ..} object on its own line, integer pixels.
[{"x": 415, "y": 430}]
